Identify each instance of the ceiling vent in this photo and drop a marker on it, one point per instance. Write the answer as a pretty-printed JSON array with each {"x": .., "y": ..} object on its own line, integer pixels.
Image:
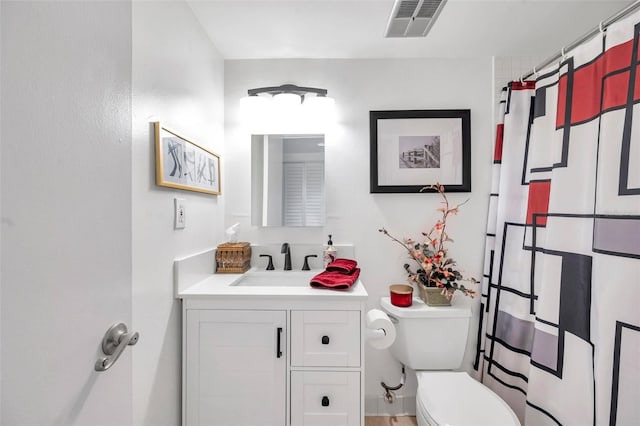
[{"x": 413, "y": 18}]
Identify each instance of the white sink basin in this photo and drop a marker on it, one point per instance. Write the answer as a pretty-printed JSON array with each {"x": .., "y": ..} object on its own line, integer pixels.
[{"x": 276, "y": 278}]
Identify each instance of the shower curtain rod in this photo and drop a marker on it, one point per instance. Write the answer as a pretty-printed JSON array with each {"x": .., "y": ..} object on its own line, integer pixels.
[{"x": 601, "y": 27}]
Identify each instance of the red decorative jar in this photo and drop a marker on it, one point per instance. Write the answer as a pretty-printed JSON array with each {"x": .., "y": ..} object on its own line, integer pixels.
[{"x": 401, "y": 295}]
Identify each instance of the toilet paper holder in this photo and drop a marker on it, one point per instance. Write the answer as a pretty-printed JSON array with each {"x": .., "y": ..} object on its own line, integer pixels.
[
  {"x": 380, "y": 331},
  {"x": 374, "y": 333}
]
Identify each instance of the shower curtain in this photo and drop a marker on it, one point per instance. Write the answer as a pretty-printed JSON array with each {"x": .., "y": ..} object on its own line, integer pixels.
[{"x": 559, "y": 336}]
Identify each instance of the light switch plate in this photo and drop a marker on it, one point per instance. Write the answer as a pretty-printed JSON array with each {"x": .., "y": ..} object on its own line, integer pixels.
[{"x": 180, "y": 211}]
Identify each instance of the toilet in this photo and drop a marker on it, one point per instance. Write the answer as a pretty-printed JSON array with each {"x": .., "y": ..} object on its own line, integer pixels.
[{"x": 431, "y": 341}]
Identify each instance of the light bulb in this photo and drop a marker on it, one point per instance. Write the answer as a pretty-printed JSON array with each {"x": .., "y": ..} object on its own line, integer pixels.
[
  {"x": 286, "y": 101},
  {"x": 320, "y": 108},
  {"x": 252, "y": 107}
]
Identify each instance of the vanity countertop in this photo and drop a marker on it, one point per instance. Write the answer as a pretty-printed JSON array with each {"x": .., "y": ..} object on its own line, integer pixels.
[
  {"x": 224, "y": 285},
  {"x": 194, "y": 279}
]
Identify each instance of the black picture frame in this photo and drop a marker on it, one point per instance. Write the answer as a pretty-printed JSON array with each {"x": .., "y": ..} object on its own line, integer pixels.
[{"x": 394, "y": 171}]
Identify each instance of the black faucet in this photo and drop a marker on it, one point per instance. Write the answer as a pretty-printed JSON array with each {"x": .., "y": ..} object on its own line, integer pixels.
[
  {"x": 305, "y": 267},
  {"x": 270, "y": 265},
  {"x": 287, "y": 256}
]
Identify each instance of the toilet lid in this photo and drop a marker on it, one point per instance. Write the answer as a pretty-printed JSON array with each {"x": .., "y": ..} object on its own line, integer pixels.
[{"x": 456, "y": 399}]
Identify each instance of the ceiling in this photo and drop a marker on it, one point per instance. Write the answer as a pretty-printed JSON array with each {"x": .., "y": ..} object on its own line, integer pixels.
[{"x": 258, "y": 29}]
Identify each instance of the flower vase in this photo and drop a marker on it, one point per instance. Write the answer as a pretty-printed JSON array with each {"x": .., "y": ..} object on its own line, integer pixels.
[{"x": 433, "y": 296}]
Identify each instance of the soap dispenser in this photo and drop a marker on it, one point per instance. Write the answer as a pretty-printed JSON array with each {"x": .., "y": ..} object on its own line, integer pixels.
[{"x": 330, "y": 253}]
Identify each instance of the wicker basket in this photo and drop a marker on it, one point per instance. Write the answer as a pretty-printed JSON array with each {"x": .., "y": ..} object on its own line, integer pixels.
[
  {"x": 433, "y": 296},
  {"x": 233, "y": 258}
]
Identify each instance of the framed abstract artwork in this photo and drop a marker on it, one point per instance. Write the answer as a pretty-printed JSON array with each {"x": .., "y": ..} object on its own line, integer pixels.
[
  {"x": 183, "y": 164},
  {"x": 415, "y": 148}
]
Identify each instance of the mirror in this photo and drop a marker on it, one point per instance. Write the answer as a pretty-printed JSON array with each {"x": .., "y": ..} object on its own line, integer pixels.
[{"x": 287, "y": 180}]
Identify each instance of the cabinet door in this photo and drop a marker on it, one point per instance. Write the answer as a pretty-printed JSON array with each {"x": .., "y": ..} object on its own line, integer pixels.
[
  {"x": 325, "y": 398},
  {"x": 235, "y": 368}
]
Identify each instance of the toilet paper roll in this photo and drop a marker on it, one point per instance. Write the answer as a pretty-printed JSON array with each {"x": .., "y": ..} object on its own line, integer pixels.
[{"x": 381, "y": 332}]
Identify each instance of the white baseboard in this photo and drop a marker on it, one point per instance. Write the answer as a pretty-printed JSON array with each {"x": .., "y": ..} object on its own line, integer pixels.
[{"x": 403, "y": 405}]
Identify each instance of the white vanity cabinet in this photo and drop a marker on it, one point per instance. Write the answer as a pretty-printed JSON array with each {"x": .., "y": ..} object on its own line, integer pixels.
[
  {"x": 235, "y": 367},
  {"x": 274, "y": 360}
]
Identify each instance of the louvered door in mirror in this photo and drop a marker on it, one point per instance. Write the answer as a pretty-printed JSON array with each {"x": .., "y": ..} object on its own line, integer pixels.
[{"x": 287, "y": 180}]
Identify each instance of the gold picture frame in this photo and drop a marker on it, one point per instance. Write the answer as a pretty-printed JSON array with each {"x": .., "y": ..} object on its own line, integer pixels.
[{"x": 184, "y": 164}]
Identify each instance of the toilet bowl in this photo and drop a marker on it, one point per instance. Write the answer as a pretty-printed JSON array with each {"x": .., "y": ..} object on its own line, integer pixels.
[
  {"x": 432, "y": 341},
  {"x": 456, "y": 399}
]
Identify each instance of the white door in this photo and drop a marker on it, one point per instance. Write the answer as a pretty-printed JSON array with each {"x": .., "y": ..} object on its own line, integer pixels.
[
  {"x": 236, "y": 368},
  {"x": 66, "y": 211}
]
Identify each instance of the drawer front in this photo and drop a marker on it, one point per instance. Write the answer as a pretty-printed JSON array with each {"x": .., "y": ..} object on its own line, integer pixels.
[
  {"x": 325, "y": 338},
  {"x": 325, "y": 398}
]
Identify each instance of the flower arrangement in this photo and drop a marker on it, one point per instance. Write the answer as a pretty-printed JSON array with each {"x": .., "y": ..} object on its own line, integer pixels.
[{"x": 434, "y": 268}]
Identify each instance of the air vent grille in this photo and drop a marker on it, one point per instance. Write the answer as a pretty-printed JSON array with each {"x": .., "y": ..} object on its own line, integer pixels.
[
  {"x": 407, "y": 8},
  {"x": 413, "y": 18},
  {"x": 428, "y": 8}
]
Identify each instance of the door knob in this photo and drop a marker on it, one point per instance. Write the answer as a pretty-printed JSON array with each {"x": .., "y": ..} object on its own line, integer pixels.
[{"x": 114, "y": 342}]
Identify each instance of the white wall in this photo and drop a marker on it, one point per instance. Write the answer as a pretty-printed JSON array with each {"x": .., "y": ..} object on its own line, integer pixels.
[
  {"x": 178, "y": 79},
  {"x": 0, "y": 211},
  {"x": 355, "y": 215}
]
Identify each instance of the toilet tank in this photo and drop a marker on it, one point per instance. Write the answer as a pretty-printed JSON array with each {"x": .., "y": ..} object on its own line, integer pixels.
[{"x": 428, "y": 338}]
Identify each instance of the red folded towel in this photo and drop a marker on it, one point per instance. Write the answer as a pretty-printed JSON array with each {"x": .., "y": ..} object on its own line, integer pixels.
[
  {"x": 335, "y": 280},
  {"x": 345, "y": 266}
]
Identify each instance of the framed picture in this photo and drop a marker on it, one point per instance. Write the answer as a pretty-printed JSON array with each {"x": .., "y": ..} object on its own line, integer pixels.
[
  {"x": 183, "y": 164},
  {"x": 415, "y": 148}
]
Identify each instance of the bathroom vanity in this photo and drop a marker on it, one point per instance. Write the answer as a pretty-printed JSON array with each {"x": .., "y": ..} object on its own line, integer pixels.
[{"x": 264, "y": 348}]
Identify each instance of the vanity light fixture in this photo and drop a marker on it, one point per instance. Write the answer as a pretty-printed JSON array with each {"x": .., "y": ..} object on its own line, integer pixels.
[{"x": 287, "y": 103}]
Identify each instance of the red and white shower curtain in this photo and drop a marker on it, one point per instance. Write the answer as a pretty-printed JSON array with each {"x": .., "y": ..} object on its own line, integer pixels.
[{"x": 560, "y": 322}]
